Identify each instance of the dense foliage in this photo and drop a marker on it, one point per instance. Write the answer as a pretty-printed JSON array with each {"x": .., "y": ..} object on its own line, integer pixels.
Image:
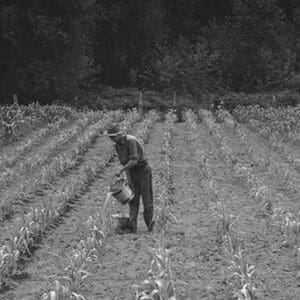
[
  {"x": 60, "y": 48},
  {"x": 47, "y": 45}
]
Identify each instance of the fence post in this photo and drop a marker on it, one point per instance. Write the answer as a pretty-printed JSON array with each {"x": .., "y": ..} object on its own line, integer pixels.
[
  {"x": 141, "y": 102},
  {"x": 15, "y": 98}
]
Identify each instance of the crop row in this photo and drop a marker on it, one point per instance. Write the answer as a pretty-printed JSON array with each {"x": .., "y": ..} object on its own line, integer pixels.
[
  {"x": 272, "y": 134},
  {"x": 11, "y": 175},
  {"x": 277, "y": 121},
  {"x": 159, "y": 283},
  {"x": 240, "y": 272},
  {"x": 50, "y": 129},
  {"x": 17, "y": 120}
]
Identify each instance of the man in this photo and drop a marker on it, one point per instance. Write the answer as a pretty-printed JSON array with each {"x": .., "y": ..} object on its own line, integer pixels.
[{"x": 139, "y": 175}]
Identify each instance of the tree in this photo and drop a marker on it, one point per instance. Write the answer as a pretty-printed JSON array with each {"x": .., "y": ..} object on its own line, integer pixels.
[
  {"x": 127, "y": 34},
  {"x": 50, "y": 40},
  {"x": 255, "y": 45}
]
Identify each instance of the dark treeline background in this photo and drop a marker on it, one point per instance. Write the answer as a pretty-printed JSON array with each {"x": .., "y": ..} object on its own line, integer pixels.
[{"x": 57, "y": 49}]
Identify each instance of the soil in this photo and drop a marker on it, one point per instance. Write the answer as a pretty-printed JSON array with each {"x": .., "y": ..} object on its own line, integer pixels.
[{"x": 199, "y": 263}]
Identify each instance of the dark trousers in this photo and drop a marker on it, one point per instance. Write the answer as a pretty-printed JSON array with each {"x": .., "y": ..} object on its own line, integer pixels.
[{"x": 140, "y": 180}]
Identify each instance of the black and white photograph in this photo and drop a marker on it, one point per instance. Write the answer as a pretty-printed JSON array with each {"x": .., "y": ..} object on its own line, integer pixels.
[{"x": 149, "y": 150}]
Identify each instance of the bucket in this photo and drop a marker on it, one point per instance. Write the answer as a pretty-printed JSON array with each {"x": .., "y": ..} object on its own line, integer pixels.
[
  {"x": 121, "y": 221},
  {"x": 121, "y": 191}
]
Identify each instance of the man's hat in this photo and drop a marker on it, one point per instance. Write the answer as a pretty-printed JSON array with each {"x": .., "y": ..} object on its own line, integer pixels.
[{"x": 113, "y": 130}]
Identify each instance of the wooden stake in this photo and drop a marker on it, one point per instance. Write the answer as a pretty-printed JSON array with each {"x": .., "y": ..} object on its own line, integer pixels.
[
  {"x": 174, "y": 99},
  {"x": 15, "y": 98},
  {"x": 141, "y": 102}
]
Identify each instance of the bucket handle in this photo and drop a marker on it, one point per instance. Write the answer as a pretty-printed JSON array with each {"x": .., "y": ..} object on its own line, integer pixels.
[{"x": 119, "y": 177}]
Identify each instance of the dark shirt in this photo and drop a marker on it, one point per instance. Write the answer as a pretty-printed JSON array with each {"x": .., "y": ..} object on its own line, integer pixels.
[{"x": 129, "y": 148}]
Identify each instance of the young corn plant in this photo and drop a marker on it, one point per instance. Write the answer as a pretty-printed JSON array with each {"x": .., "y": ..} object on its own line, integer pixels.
[
  {"x": 132, "y": 117},
  {"x": 159, "y": 285},
  {"x": 214, "y": 128},
  {"x": 289, "y": 224},
  {"x": 190, "y": 121},
  {"x": 9, "y": 256},
  {"x": 226, "y": 220},
  {"x": 239, "y": 268},
  {"x": 224, "y": 116},
  {"x": 76, "y": 271},
  {"x": 61, "y": 292},
  {"x": 102, "y": 223},
  {"x": 285, "y": 178},
  {"x": 144, "y": 131},
  {"x": 263, "y": 196},
  {"x": 214, "y": 192},
  {"x": 201, "y": 157},
  {"x": 93, "y": 244},
  {"x": 163, "y": 212},
  {"x": 97, "y": 226},
  {"x": 243, "y": 271}
]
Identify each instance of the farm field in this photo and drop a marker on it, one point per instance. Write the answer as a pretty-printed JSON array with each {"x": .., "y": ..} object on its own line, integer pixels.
[{"x": 227, "y": 206}]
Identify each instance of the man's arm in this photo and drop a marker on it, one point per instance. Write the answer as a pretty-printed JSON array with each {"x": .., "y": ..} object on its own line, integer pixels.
[
  {"x": 131, "y": 163},
  {"x": 132, "y": 155}
]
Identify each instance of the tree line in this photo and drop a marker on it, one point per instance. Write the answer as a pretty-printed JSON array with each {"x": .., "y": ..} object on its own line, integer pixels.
[{"x": 55, "y": 49}]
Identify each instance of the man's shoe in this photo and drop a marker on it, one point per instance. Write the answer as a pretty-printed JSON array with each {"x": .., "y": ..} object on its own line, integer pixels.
[
  {"x": 151, "y": 225},
  {"x": 125, "y": 230}
]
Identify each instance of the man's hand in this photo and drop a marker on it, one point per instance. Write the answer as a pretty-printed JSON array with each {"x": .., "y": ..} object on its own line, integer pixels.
[
  {"x": 130, "y": 164},
  {"x": 118, "y": 174}
]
